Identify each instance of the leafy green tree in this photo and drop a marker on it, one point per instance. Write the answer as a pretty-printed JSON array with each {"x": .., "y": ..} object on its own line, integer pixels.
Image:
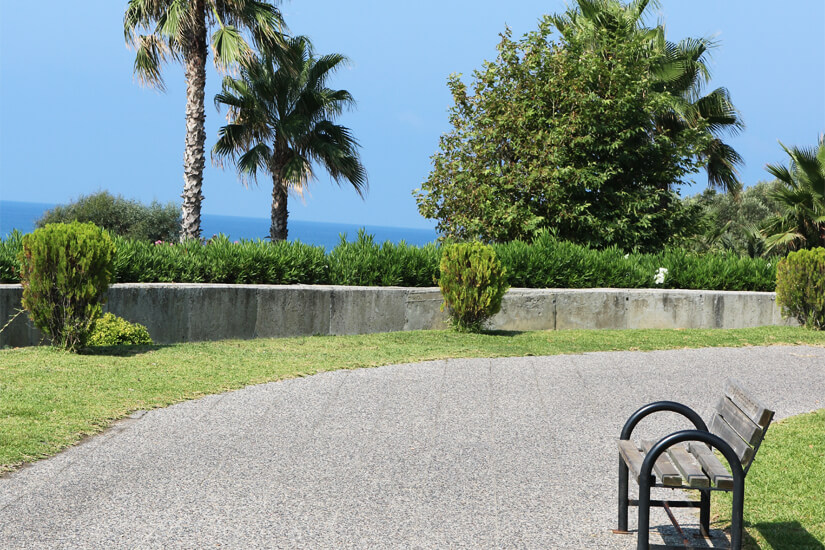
[
  {"x": 124, "y": 217},
  {"x": 802, "y": 193},
  {"x": 281, "y": 122},
  {"x": 562, "y": 135},
  {"x": 679, "y": 70},
  {"x": 176, "y": 30}
]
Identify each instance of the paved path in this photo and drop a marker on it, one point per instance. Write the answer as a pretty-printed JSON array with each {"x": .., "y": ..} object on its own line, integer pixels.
[{"x": 504, "y": 453}]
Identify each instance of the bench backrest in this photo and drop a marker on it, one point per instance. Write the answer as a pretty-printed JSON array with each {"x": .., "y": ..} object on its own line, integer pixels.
[{"x": 741, "y": 420}]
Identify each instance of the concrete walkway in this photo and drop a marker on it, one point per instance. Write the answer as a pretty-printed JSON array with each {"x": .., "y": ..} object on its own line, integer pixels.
[{"x": 503, "y": 453}]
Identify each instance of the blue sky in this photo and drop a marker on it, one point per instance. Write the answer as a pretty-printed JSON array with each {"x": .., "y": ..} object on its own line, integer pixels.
[{"x": 73, "y": 120}]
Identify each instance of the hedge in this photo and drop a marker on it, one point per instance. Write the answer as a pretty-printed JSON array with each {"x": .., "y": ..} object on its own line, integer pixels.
[{"x": 544, "y": 263}]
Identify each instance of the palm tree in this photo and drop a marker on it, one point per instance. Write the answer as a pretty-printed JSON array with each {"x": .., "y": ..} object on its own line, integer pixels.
[
  {"x": 280, "y": 121},
  {"x": 802, "y": 225},
  {"x": 679, "y": 73},
  {"x": 176, "y": 30}
]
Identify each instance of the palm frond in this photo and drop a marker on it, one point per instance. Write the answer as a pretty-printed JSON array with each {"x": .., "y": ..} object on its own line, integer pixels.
[
  {"x": 151, "y": 53},
  {"x": 722, "y": 161},
  {"x": 718, "y": 111},
  {"x": 296, "y": 170},
  {"x": 789, "y": 239},
  {"x": 135, "y": 19},
  {"x": 257, "y": 157},
  {"x": 229, "y": 47},
  {"x": 232, "y": 138},
  {"x": 175, "y": 19},
  {"x": 267, "y": 24},
  {"x": 808, "y": 168},
  {"x": 781, "y": 173},
  {"x": 323, "y": 67},
  {"x": 334, "y": 147},
  {"x": 141, "y": 17}
]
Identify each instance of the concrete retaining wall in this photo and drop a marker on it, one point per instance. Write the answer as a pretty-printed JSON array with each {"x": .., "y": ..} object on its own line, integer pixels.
[{"x": 195, "y": 312}]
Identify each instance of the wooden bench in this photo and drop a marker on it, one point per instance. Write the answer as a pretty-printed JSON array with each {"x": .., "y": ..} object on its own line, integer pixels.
[{"x": 737, "y": 427}]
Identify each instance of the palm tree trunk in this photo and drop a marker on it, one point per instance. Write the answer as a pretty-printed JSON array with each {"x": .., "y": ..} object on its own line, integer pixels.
[
  {"x": 195, "y": 50},
  {"x": 278, "y": 231}
]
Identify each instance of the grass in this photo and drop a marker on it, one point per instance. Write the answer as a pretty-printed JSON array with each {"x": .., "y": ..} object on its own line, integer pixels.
[{"x": 785, "y": 488}]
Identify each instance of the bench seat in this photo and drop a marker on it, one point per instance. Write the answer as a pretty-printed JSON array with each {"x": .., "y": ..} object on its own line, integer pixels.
[{"x": 683, "y": 467}]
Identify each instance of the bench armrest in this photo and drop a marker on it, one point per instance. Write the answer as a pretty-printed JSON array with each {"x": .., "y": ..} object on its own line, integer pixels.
[{"x": 670, "y": 406}]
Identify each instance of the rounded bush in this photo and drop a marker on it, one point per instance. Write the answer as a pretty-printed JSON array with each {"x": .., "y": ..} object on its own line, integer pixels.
[
  {"x": 800, "y": 287},
  {"x": 473, "y": 283},
  {"x": 124, "y": 217},
  {"x": 111, "y": 330},
  {"x": 65, "y": 271}
]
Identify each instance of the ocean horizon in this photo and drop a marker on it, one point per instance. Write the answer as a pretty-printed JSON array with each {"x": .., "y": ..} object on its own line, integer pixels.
[{"x": 23, "y": 215}]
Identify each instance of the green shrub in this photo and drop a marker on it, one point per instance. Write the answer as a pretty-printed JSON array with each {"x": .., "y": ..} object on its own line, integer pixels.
[
  {"x": 65, "y": 271},
  {"x": 9, "y": 257},
  {"x": 800, "y": 287},
  {"x": 124, "y": 217},
  {"x": 473, "y": 283},
  {"x": 366, "y": 263},
  {"x": 111, "y": 330}
]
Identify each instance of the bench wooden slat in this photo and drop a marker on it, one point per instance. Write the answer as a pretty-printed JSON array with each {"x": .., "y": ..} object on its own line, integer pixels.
[
  {"x": 633, "y": 458},
  {"x": 739, "y": 421},
  {"x": 751, "y": 406},
  {"x": 663, "y": 467},
  {"x": 721, "y": 428},
  {"x": 688, "y": 466},
  {"x": 715, "y": 470}
]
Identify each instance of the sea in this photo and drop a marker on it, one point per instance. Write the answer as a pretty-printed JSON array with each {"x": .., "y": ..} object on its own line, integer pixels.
[{"x": 23, "y": 215}]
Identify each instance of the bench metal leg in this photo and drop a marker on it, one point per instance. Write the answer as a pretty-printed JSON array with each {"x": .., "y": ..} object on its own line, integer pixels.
[
  {"x": 704, "y": 513},
  {"x": 736, "y": 515},
  {"x": 623, "y": 502}
]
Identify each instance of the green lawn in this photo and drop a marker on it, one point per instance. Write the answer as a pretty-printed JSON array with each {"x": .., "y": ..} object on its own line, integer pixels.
[
  {"x": 785, "y": 488},
  {"x": 51, "y": 399}
]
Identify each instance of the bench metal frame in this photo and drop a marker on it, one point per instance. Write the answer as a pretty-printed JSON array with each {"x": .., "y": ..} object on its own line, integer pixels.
[{"x": 647, "y": 480}]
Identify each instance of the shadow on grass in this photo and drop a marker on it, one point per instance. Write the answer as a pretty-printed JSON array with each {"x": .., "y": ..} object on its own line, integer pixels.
[
  {"x": 509, "y": 333},
  {"x": 123, "y": 351},
  {"x": 785, "y": 534}
]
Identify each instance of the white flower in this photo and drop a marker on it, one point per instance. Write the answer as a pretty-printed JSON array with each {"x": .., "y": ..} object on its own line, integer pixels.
[
  {"x": 659, "y": 278},
  {"x": 626, "y": 256}
]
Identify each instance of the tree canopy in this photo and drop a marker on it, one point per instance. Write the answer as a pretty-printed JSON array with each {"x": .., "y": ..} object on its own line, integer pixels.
[{"x": 586, "y": 132}]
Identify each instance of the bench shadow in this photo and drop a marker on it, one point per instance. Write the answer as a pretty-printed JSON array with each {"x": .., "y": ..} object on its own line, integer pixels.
[
  {"x": 788, "y": 534},
  {"x": 780, "y": 534},
  {"x": 123, "y": 351},
  {"x": 719, "y": 539}
]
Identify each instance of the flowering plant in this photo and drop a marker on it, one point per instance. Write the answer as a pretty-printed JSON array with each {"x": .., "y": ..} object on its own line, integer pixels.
[{"x": 659, "y": 278}]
